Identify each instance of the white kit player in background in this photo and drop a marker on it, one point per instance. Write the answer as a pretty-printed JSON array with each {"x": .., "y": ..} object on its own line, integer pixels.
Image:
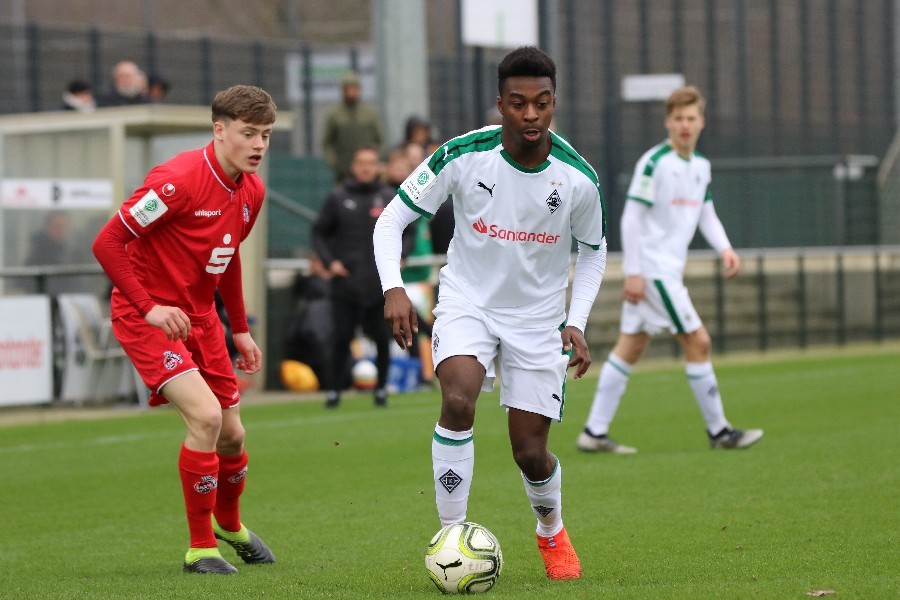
[
  {"x": 669, "y": 198},
  {"x": 520, "y": 194}
]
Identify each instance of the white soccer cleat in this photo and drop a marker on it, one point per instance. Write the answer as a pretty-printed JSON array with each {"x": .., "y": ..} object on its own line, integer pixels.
[
  {"x": 735, "y": 438},
  {"x": 602, "y": 443}
]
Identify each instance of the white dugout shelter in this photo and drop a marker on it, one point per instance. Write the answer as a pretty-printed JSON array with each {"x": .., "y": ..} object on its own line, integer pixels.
[{"x": 85, "y": 165}]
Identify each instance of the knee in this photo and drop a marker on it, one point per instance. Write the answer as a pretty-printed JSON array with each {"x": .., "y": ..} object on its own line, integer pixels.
[
  {"x": 457, "y": 411},
  {"x": 207, "y": 425},
  {"x": 700, "y": 346},
  {"x": 532, "y": 460},
  {"x": 231, "y": 440}
]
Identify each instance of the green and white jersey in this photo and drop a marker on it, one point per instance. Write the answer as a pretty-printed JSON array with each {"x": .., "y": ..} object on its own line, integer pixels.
[
  {"x": 514, "y": 226},
  {"x": 675, "y": 189}
]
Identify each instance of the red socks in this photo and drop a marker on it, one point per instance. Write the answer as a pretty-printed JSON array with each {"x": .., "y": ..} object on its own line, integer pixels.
[
  {"x": 212, "y": 484},
  {"x": 232, "y": 472},
  {"x": 198, "y": 472}
]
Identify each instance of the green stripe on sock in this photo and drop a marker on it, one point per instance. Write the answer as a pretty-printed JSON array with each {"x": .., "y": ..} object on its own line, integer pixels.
[
  {"x": 450, "y": 442},
  {"x": 546, "y": 481},
  {"x": 618, "y": 368}
]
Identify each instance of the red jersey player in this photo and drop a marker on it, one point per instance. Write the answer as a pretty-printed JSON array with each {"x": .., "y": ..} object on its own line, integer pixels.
[{"x": 166, "y": 251}]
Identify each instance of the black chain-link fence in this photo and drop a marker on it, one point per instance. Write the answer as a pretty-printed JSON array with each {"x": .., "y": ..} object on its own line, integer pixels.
[{"x": 797, "y": 78}]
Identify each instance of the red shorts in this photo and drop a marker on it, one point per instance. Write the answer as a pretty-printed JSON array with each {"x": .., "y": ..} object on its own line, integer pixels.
[{"x": 159, "y": 360}]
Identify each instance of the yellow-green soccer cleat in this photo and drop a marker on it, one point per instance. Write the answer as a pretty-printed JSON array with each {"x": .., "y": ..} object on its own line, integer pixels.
[
  {"x": 246, "y": 543},
  {"x": 206, "y": 560}
]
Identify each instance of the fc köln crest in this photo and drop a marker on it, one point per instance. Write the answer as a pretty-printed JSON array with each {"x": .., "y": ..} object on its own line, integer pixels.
[{"x": 171, "y": 359}]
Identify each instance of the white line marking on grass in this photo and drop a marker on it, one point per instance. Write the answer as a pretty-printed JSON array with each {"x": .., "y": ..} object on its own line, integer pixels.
[{"x": 107, "y": 440}]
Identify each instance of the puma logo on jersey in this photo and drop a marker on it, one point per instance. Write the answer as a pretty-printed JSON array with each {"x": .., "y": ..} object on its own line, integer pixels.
[
  {"x": 220, "y": 257},
  {"x": 490, "y": 190}
]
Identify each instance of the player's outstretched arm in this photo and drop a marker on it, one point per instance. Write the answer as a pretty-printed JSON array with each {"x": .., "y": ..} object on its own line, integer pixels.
[
  {"x": 250, "y": 360},
  {"x": 573, "y": 340},
  {"x": 400, "y": 315}
]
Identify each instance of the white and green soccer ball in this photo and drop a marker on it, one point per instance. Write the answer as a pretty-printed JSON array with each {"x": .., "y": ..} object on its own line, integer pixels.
[{"x": 464, "y": 558}]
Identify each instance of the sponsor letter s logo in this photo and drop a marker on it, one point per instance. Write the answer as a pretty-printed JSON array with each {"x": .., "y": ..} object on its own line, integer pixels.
[
  {"x": 218, "y": 260},
  {"x": 220, "y": 257}
]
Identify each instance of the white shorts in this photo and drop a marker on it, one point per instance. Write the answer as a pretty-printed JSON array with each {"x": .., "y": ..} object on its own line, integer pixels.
[
  {"x": 666, "y": 306},
  {"x": 530, "y": 360}
]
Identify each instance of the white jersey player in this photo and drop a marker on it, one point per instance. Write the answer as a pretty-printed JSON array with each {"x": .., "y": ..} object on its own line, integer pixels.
[
  {"x": 520, "y": 195},
  {"x": 669, "y": 198}
]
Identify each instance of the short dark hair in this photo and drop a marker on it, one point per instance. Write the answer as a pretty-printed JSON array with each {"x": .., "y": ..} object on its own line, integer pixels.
[
  {"x": 526, "y": 61},
  {"x": 245, "y": 102},
  {"x": 76, "y": 86}
]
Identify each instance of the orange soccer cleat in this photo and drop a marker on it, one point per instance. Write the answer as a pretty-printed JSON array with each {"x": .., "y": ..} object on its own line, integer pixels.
[{"x": 559, "y": 556}]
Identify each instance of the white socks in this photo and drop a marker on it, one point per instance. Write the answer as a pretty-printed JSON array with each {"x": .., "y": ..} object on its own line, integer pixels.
[
  {"x": 702, "y": 379},
  {"x": 453, "y": 463},
  {"x": 610, "y": 389},
  {"x": 546, "y": 502}
]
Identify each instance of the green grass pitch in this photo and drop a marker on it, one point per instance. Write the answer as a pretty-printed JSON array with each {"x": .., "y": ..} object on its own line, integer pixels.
[{"x": 92, "y": 509}]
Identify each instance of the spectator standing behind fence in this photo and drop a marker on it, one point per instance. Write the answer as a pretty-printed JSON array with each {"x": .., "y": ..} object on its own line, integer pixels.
[
  {"x": 167, "y": 250},
  {"x": 79, "y": 96},
  {"x": 49, "y": 246},
  {"x": 350, "y": 124},
  {"x": 157, "y": 88},
  {"x": 129, "y": 86},
  {"x": 669, "y": 198},
  {"x": 342, "y": 237},
  {"x": 418, "y": 131}
]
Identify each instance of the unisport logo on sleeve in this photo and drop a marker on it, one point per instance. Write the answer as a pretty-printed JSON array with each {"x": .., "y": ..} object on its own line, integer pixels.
[{"x": 148, "y": 209}]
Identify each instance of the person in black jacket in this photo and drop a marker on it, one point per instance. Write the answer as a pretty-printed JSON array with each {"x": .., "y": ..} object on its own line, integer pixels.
[{"x": 342, "y": 237}]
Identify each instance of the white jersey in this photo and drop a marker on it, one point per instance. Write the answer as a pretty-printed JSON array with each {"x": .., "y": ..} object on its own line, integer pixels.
[
  {"x": 514, "y": 226},
  {"x": 675, "y": 189}
]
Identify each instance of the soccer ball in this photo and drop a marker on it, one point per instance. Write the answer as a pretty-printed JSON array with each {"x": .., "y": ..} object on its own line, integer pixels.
[
  {"x": 365, "y": 375},
  {"x": 464, "y": 558}
]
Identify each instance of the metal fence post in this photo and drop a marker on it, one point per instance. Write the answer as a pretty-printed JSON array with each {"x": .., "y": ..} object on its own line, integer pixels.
[
  {"x": 34, "y": 71},
  {"x": 98, "y": 77},
  {"x": 879, "y": 303},
  {"x": 841, "y": 300},
  {"x": 307, "y": 99},
  {"x": 762, "y": 310},
  {"x": 206, "y": 85},
  {"x": 802, "y": 308}
]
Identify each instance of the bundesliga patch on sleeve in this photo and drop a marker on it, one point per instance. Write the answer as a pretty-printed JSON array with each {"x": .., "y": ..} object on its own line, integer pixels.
[
  {"x": 418, "y": 184},
  {"x": 148, "y": 209}
]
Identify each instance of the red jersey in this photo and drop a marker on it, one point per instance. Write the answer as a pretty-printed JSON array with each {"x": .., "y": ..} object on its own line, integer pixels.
[{"x": 188, "y": 218}]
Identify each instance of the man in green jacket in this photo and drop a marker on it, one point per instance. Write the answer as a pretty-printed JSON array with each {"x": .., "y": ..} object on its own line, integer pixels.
[{"x": 349, "y": 125}]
